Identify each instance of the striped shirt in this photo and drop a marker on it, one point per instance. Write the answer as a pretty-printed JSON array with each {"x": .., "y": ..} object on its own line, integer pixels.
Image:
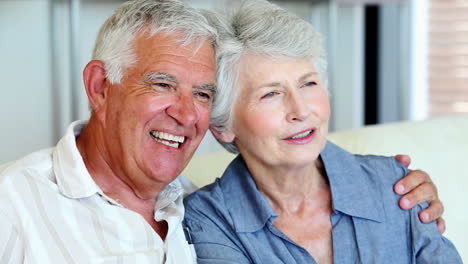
[{"x": 51, "y": 211}]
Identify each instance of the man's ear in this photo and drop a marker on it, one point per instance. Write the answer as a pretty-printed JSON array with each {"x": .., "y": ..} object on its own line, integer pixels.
[
  {"x": 224, "y": 135},
  {"x": 95, "y": 81}
]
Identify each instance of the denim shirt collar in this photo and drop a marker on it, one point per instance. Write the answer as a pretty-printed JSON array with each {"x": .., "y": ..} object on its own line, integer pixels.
[
  {"x": 351, "y": 194},
  {"x": 250, "y": 210},
  {"x": 349, "y": 183}
]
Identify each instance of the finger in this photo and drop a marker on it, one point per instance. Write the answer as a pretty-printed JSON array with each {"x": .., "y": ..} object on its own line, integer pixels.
[
  {"x": 441, "y": 225},
  {"x": 404, "y": 159},
  {"x": 411, "y": 181},
  {"x": 433, "y": 212},
  {"x": 424, "y": 192}
]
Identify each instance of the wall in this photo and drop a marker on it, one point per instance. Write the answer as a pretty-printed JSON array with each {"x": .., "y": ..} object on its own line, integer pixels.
[{"x": 26, "y": 109}]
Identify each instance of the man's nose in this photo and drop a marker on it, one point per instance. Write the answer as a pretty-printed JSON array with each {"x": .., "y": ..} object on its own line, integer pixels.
[{"x": 183, "y": 110}]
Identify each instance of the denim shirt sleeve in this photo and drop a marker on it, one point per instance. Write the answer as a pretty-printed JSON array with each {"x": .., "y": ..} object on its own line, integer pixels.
[
  {"x": 213, "y": 239},
  {"x": 429, "y": 246}
]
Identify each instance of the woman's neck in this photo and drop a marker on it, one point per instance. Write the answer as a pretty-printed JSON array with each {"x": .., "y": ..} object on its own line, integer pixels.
[
  {"x": 301, "y": 197},
  {"x": 291, "y": 190}
]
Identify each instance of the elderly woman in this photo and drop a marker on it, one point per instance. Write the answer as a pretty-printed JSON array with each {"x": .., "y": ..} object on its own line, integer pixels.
[{"x": 291, "y": 196}]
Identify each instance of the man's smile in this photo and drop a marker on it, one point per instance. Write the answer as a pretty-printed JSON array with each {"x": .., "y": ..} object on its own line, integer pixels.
[{"x": 167, "y": 139}]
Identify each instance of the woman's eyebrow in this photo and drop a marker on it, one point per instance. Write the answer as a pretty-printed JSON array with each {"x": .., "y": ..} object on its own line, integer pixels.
[
  {"x": 278, "y": 84},
  {"x": 307, "y": 75},
  {"x": 272, "y": 84}
]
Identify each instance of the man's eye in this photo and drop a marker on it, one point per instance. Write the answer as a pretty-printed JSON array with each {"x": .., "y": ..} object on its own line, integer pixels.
[
  {"x": 206, "y": 97},
  {"x": 163, "y": 86},
  {"x": 268, "y": 95}
]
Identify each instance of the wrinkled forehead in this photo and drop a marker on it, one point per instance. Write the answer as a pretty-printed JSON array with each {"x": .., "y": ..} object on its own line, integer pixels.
[
  {"x": 256, "y": 69},
  {"x": 164, "y": 50},
  {"x": 146, "y": 40}
]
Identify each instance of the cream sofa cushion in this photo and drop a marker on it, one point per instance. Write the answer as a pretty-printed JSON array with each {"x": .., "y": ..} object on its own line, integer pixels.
[{"x": 439, "y": 146}]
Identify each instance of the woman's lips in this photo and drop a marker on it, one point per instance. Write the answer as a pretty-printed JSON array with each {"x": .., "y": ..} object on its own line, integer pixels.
[{"x": 302, "y": 137}]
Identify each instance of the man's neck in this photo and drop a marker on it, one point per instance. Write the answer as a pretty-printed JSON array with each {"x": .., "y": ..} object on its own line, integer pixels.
[
  {"x": 106, "y": 176},
  {"x": 90, "y": 144}
]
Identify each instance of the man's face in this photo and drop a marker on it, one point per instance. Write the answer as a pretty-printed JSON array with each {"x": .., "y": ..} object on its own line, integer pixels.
[{"x": 156, "y": 118}]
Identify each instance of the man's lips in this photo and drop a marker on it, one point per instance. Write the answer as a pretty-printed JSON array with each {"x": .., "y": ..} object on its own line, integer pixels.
[{"x": 167, "y": 139}]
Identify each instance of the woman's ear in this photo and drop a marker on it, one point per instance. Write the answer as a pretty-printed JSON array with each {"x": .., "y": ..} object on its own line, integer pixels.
[
  {"x": 95, "y": 81},
  {"x": 223, "y": 135}
]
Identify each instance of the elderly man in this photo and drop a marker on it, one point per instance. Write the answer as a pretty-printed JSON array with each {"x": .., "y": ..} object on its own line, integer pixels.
[{"x": 108, "y": 192}]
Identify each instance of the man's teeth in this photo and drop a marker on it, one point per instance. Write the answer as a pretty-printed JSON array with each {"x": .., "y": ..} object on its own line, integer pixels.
[
  {"x": 167, "y": 139},
  {"x": 305, "y": 134},
  {"x": 167, "y": 136}
]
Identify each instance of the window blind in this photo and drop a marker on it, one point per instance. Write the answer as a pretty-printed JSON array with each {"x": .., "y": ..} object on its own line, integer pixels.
[{"x": 448, "y": 57}]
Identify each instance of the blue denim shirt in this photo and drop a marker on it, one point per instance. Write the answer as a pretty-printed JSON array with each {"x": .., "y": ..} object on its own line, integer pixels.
[{"x": 230, "y": 221}]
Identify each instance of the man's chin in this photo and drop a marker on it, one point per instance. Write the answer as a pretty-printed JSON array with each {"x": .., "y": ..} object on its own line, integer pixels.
[{"x": 166, "y": 174}]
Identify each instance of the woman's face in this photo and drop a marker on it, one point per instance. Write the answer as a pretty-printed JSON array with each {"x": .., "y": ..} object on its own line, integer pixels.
[{"x": 282, "y": 112}]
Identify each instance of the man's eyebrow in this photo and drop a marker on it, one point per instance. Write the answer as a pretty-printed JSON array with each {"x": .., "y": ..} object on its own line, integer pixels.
[
  {"x": 168, "y": 77},
  {"x": 160, "y": 76},
  {"x": 208, "y": 87}
]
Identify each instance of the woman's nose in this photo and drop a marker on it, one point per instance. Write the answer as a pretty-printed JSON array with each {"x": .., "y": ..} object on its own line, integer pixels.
[{"x": 298, "y": 108}]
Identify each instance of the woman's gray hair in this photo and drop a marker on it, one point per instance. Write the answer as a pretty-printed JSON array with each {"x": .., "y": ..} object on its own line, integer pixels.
[
  {"x": 258, "y": 27},
  {"x": 114, "y": 43}
]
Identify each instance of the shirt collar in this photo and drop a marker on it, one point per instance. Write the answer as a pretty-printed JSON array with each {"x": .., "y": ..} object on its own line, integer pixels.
[
  {"x": 73, "y": 178},
  {"x": 169, "y": 206},
  {"x": 351, "y": 192},
  {"x": 250, "y": 209},
  {"x": 349, "y": 179}
]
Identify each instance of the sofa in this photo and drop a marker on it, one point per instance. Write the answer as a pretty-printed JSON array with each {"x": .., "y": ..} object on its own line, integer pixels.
[{"x": 439, "y": 146}]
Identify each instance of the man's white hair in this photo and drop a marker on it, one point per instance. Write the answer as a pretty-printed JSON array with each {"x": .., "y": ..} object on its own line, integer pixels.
[{"x": 114, "y": 43}]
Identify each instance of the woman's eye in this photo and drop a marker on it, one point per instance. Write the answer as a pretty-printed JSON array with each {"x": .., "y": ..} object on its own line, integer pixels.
[
  {"x": 310, "y": 84},
  {"x": 270, "y": 94}
]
